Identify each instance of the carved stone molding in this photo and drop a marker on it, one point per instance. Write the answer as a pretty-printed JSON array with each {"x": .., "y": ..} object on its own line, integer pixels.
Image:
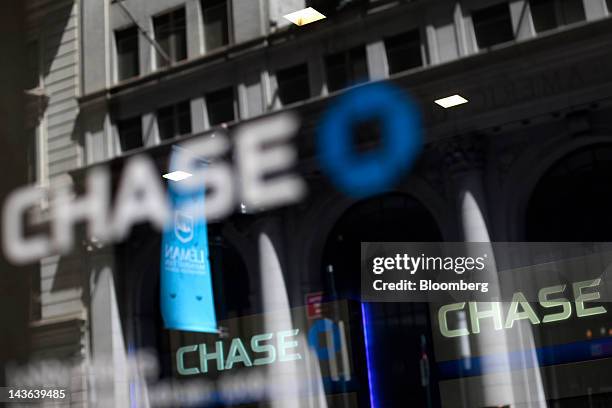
[{"x": 463, "y": 153}]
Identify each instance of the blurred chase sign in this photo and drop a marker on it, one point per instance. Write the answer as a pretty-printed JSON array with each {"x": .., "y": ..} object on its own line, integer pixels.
[
  {"x": 260, "y": 178},
  {"x": 186, "y": 288}
]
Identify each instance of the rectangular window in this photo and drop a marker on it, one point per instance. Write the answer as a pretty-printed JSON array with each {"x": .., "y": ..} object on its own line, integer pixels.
[
  {"x": 544, "y": 15},
  {"x": 174, "y": 120},
  {"x": 216, "y": 23},
  {"x": 293, "y": 85},
  {"x": 128, "y": 61},
  {"x": 130, "y": 133},
  {"x": 404, "y": 51},
  {"x": 35, "y": 295},
  {"x": 32, "y": 155},
  {"x": 33, "y": 68},
  {"x": 170, "y": 34},
  {"x": 220, "y": 106},
  {"x": 550, "y": 14},
  {"x": 493, "y": 25},
  {"x": 572, "y": 11},
  {"x": 346, "y": 68}
]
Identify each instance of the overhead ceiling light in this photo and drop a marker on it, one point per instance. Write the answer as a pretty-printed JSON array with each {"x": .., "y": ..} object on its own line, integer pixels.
[
  {"x": 305, "y": 16},
  {"x": 451, "y": 101},
  {"x": 177, "y": 175}
]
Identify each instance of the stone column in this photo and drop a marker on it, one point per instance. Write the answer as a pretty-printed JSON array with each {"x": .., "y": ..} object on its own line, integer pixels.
[
  {"x": 464, "y": 160},
  {"x": 499, "y": 385},
  {"x": 288, "y": 378},
  {"x": 276, "y": 309},
  {"x": 108, "y": 374}
]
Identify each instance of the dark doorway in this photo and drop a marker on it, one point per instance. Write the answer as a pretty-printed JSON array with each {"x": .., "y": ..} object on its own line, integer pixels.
[
  {"x": 571, "y": 203},
  {"x": 399, "y": 333}
]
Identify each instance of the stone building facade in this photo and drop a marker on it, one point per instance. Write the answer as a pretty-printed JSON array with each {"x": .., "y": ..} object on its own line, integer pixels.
[{"x": 524, "y": 160}]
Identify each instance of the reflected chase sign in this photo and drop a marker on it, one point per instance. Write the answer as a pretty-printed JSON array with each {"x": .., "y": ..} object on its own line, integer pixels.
[
  {"x": 245, "y": 343},
  {"x": 553, "y": 299},
  {"x": 259, "y": 350},
  {"x": 259, "y": 178}
]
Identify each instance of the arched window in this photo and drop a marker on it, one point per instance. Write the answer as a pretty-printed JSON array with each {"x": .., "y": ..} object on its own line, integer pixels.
[
  {"x": 400, "y": 332},
  {"x": 573, "y": 199}
]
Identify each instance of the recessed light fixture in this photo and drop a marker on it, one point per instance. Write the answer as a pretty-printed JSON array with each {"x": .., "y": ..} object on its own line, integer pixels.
[
  {"x": 451, "y": 101},
  {"x": 177, "y": 175},
  {"x": 305, "y": 16}
]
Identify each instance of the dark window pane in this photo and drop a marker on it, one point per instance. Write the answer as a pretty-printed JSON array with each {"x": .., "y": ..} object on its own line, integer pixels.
[
  {"x": 130, "y": 133},
  {"x": 164, "y": 44},
  {"x": 32, "y": 155},
  {"x": 293, "y": 84},
  {"x": 127, "y": 53},
  {"x": 336, "y": 72},
  {"x": 165, "y": 122},
  {"x": 493, "y": 25},
  {"x": 609, "y": 3},
  {"x": 220, "y": 106},
  {"x": 162, "y": 29},
  {"x": 358, "y": 64},
  {"x": 174, "y": 120},
  {"x": 330, "y": 7},
  {"x": 572, "y": 11},
  {"x": 216, "y": 29},
  {"x": 35, "y": 295},
  {"x": 33, "y": 68},
  {"x": 183, "y": 117},
  {"x": 404, "y": 51},
  {"x": 549, "y": 14},
  {"x": 179, "y": 34},
  {"x": 346, "y": 68},
  {"x": 170, "y": 35},
  {"x": 544, "y": 15}
]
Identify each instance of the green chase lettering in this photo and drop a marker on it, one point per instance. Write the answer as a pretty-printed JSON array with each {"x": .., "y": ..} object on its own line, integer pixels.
[
  {"x": 550, "y": 299},
  {"x": 263, "y": 350}
]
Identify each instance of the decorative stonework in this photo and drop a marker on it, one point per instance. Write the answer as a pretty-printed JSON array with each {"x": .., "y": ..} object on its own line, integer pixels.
[
  {"x": 507, "y": 156},
  {"x": 463, "y": 153}
]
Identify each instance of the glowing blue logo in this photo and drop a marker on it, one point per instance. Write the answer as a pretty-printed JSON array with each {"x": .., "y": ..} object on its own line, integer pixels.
[
  {"x": 324, "y": 326},
  {"x": 364, "y": 174}
]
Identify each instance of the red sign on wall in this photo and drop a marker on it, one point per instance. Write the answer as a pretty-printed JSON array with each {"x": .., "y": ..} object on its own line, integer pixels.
[{"x": 313, "y": 305}]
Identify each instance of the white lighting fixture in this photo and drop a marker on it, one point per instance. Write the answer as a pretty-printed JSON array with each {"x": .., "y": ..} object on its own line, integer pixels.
[
  {"x": 305, "y": 16},
  {"x": 451, "y": 101},
  {"x": 177, "y": 175}
]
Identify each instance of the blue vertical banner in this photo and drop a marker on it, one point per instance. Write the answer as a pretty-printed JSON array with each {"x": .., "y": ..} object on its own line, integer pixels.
[{"x": 186, "y": 285}]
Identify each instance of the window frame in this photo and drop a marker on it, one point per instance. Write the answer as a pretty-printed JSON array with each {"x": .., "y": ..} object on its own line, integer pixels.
[
  {"x": 421, "y": 46},
  {"x": 207, "y": 105},
  {"x": 279, "y": 73},
  {"x": 229, "y": 28},
  {"x": 348, "y": 64},
  {"x": 34, "y": 49},
  {"x": 171, "y": 52},
  {"x": 118, "y": 124},
  {"x": 474, "y": 13},
  {"x": 561, "y": 19},
  {"x": 175, "y": 119},
  {"x": 116, "y": 43}
]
